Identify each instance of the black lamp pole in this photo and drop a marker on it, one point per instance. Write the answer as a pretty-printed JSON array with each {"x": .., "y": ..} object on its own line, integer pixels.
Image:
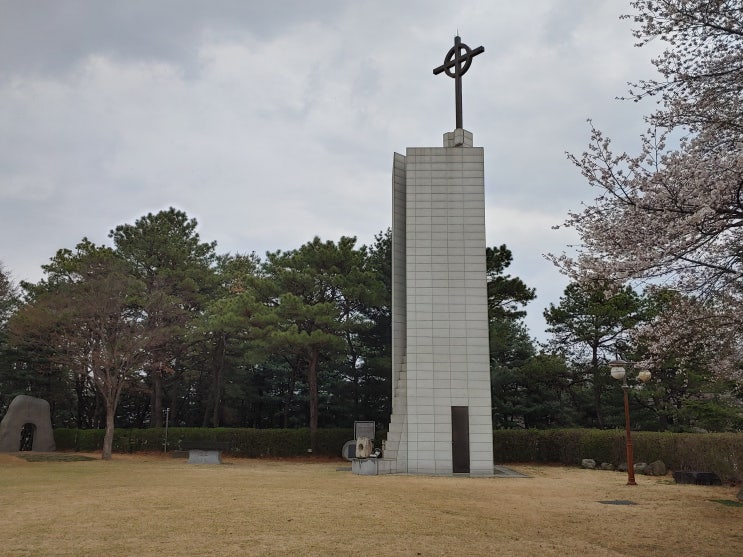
[{"x": 630, "y": 452}]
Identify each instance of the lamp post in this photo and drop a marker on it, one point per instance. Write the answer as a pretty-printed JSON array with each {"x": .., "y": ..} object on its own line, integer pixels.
[{"x": 619, "y": 373}]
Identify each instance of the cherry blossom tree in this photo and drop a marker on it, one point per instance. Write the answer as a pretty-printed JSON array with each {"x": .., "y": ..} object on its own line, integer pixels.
[
  {"x": 701, "y": 67},
  {"x": 691, "y": 351},
  {"x": 672, "y": 213}
]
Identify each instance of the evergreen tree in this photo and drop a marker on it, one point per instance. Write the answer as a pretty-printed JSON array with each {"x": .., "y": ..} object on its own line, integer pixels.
[
  {"x": 165, "y": 252},
  {"x": 224, "y": 342},
  {"x": 305, "y": 308},
  {"x": 507, "y": 295},
  {"x": 590, "y": 326}
]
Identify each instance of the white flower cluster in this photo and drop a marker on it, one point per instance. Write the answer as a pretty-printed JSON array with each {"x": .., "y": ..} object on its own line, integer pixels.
[{"x": 674, "y": 216}]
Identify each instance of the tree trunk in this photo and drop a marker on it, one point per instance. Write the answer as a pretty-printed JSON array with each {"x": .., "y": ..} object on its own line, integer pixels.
[
  {"x": 355, "y": 376},
  {"x": 208, "y": 398},
  {"x": 80, "y": 393},
  {"x": 289, "y": 395},
  {"x": 597, "y": 386},
  {"x": 108, "y": 437},
  {"x": 218, "y": 369},
  {"x": 314, "y": 402},
  {"x": 662, "y": 413},
  {"x": 156, "y": 414},
  {"x": 99, "y": 414}
]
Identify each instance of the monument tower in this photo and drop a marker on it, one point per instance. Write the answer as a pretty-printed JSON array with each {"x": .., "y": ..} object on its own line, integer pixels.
[{"x": 441, "y": 408}]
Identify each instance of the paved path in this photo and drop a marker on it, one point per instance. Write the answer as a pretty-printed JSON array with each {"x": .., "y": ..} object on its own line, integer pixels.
[{"x": 505, "y": 472}]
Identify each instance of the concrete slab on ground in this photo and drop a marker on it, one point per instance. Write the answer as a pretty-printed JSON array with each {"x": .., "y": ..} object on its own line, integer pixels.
[{"x": 505, "y": 472}]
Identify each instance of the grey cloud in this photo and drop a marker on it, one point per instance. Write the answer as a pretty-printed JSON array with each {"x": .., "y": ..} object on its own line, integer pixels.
[
  {"x": 51, "y": 36},
  {"x": 271, "y": 122}
]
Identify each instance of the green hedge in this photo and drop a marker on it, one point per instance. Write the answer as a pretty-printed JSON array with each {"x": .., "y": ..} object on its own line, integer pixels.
[
  {"x": 721, "y": 453},
  {"x": 242, "y": 441}
]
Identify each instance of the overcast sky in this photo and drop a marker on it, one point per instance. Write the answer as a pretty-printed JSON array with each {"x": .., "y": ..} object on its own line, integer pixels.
[{"x": 272, "y": 122}]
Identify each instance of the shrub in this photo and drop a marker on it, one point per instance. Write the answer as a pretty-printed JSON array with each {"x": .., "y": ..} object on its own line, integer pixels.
[
  {"x": 515, "y": 445},
  {"x": 242, "y": 441},
  {"x": 85, "y": 440},
  {"x": 602, "y": 446},
  {"x": 721, "y": 453}
]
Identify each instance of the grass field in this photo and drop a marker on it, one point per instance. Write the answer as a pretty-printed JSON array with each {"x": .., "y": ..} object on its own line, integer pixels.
[{"x": 155, "y": 505}]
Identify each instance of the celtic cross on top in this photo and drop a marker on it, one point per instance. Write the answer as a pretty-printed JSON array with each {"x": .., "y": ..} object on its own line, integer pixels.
[{"x": 456, "y": 63}]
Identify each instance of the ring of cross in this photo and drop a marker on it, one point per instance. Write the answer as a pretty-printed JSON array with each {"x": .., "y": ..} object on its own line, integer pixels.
[{"x": 453, "y": 59}]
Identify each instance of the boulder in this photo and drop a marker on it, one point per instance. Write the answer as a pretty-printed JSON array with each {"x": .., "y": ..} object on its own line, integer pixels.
[
  {"x": 640, "y": 467},
  {"x": 607, "y": 466},
  {"x": 656, "y": 468},
  {"x": 588, "y": 463}
]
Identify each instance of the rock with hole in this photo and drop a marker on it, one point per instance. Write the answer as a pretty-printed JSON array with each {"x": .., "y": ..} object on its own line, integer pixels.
[{"x": 27, "y": 426}]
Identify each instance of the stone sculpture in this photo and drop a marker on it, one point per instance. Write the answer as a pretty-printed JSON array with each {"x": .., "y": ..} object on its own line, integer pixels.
[{"x": 27, "y": 425}]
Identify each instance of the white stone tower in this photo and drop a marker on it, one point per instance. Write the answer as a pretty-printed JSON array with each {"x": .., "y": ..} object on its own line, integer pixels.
[
  {"x": 441, "y": 420},
  {"x": 441, "y": 406},
  {"x": 441, "y": 409}
]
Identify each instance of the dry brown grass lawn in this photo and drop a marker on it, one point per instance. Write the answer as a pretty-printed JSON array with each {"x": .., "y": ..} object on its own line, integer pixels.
[{"x": 152, "y": 505}]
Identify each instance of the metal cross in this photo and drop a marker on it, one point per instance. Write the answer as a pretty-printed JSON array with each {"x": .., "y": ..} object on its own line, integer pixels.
[{"x": 456, "y": 63}]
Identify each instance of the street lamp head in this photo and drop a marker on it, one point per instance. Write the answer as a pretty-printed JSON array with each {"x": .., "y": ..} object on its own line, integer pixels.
[
  {"x": 617, "y": 369},
  {"x": 619, "y": 372}
]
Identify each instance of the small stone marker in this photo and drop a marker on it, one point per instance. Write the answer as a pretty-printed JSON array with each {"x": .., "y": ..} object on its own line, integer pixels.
[
  {"x": 364, "y": 447},
  {"x": 364, "y": 429},
  {"x": 349, "y": 450},
  {"x": 199, "y": 456},
  {"x": 204, "y": 452}
]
